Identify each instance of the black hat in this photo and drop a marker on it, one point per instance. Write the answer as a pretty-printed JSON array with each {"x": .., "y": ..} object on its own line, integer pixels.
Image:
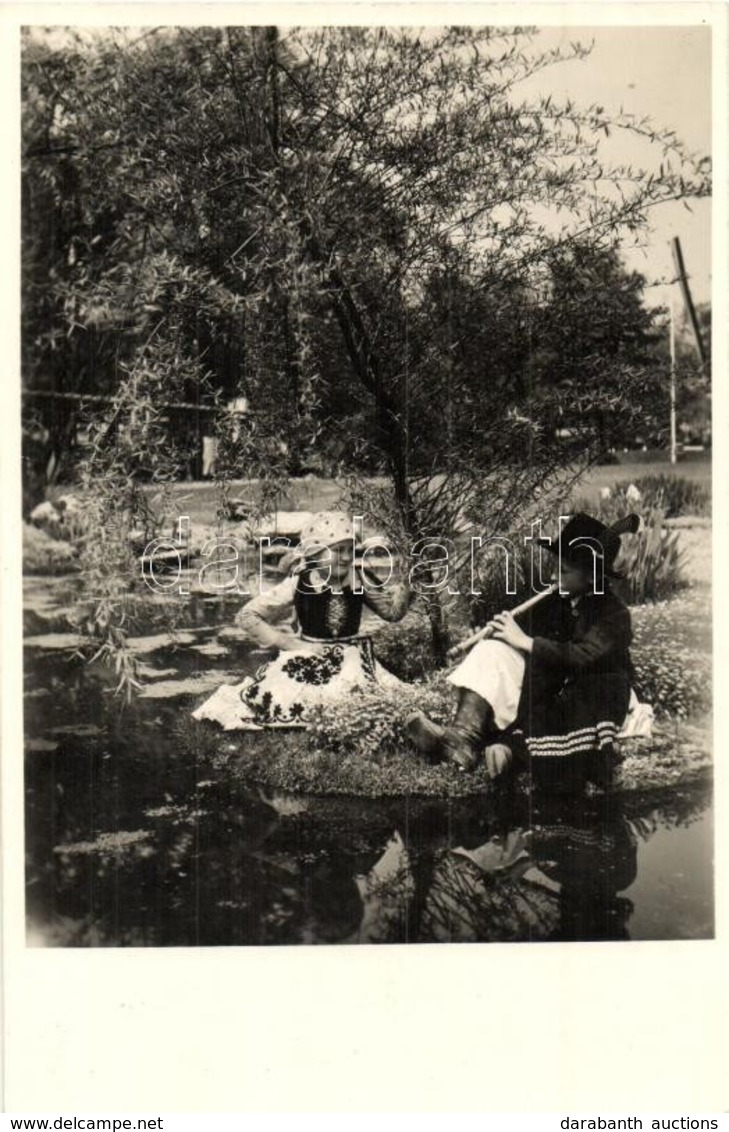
[{"x": 583, "y": 537}]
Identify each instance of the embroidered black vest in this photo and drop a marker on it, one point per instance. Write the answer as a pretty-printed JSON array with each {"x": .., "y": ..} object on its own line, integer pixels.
[{"x": 324, "y": 614}]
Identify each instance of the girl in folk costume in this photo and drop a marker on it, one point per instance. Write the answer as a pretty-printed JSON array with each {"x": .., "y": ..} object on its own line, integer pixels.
[
  {"x": 560, "y": 687},
  {"x": 313, "y": 619}
]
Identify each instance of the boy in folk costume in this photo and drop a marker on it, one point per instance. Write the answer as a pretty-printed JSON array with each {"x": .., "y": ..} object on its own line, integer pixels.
[{"x": 562, "y": 683}]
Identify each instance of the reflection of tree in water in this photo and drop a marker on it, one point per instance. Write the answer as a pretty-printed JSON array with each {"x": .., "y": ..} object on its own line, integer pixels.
[
  {"x": 469, "y": 902},
  {"x": 560, "y": 879},
  {"x": 649, "y": 811},
  {"x": 220, "y": 864}
]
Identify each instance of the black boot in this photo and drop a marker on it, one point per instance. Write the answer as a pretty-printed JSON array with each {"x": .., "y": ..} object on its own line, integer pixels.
[
  {"x": 463, "y": 741},
  {"x": 426, "y": 735}
]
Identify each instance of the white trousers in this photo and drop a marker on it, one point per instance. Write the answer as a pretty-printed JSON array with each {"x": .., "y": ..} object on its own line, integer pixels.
[{"x": 495, "y": 671}]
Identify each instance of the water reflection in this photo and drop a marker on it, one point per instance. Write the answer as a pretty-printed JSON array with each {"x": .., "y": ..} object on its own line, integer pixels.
[
  {"x": 218, "y": 864},
  {"x": 138, "y": 837},
  {"x": 558, "y": 879}
]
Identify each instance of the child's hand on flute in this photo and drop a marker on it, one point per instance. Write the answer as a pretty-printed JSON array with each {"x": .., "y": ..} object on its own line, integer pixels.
[
  {"x": 504, "y": 628},
  {"x": 489, "y": 630}
]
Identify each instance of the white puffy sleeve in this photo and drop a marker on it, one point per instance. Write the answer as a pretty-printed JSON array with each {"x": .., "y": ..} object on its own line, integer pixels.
[
  {"x": 392, "y": 603},
  {"x": 274, "y": 606}
]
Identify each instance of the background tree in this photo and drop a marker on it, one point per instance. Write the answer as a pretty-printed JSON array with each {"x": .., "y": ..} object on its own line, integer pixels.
[{"x": 366, "y": 212}]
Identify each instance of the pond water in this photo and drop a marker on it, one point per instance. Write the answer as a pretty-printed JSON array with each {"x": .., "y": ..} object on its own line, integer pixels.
[{"x": 138, "y": 837}]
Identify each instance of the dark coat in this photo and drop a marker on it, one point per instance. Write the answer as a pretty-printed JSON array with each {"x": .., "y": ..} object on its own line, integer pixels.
[{"x": 577, "y": 683}]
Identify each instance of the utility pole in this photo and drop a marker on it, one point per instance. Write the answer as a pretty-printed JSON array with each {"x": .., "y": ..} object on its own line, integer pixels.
[
  {"x": 683, "y": 282},
  {"x": 672, "y": 394},
  {"x": 688, "y": 302}
]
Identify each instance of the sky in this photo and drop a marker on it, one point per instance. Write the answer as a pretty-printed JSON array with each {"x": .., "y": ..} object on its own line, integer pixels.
[{"x": 663, "y": 73}]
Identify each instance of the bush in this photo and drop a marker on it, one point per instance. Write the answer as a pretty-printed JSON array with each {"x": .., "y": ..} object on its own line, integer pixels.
[
  {"x": 406, "y": 649},
  {"x": 672, "y": 667},
  {"x": 674, "y": 495},
  {"x": 371, "y": 722},
  {"x": 675, "y": 684},
  {"x": 652, "y": 560},
  {"x": 45, "y": 555}
]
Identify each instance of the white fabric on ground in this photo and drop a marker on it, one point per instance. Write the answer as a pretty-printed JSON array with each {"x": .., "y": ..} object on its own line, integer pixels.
[{"x": 638, "y": 723}]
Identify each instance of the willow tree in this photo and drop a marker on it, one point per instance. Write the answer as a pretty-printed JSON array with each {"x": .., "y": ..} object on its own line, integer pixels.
[{"x": 258, "y": 209}]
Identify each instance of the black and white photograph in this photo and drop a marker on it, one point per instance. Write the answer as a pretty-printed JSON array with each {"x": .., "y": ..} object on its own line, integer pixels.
[{"x": 366, "y": 484}]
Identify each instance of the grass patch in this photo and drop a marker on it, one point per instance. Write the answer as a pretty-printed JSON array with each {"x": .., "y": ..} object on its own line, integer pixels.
[
  {"x": 200, "y": 499},
  {"x": 678, "y": 754},
  {"x": 360, "y": 748},
  {"x": 292, "y": 763}
]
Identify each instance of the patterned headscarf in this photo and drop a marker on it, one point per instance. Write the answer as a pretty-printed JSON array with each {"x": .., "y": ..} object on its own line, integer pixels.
[
  {"x": 327, "y": 528},
  {"x": 324, "y": 529}
]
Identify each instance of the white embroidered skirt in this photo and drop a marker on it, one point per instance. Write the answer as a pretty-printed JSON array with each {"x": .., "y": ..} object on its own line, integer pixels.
[{"x": 282, "y": 691}]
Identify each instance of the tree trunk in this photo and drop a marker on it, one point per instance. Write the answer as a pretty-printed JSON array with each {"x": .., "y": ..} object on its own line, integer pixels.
[
  {"x": 367, "y": 365},
  {"x": 439, "y": 636}
]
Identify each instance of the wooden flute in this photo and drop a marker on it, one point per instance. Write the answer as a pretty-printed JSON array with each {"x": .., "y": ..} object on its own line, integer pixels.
[{"x": 487, "y": 631}]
